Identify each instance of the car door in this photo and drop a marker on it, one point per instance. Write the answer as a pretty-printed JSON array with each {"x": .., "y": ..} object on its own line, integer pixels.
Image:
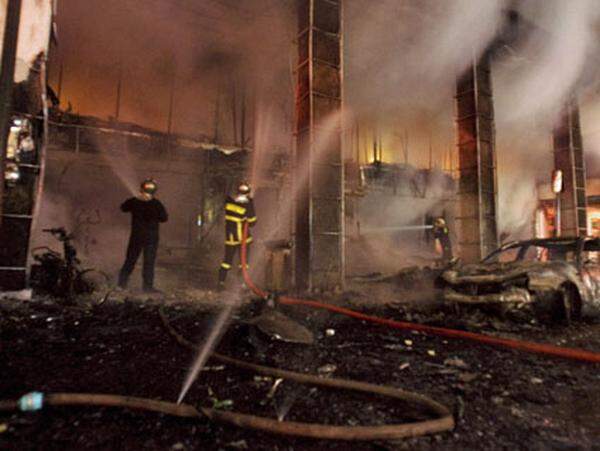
[{"x": 590, "y": 268}]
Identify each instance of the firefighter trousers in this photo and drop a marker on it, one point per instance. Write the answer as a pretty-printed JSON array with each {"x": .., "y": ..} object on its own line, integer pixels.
[
  {"x": 230, "y": 252},
  {"x": 134, "y": 249}
]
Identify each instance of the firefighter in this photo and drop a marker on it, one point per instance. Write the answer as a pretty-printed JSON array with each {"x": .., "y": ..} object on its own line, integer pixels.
[
  {"x": 239, "y": 211},
  {"x": 441, "y": 233},
  {"x": 147, "y": 213}
]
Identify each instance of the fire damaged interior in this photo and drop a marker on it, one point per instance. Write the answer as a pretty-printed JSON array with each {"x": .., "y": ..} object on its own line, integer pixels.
[{"x": 299, "y": 224}]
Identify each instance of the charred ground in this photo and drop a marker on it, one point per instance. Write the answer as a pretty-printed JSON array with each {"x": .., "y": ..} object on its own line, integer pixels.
[{"x": 501, "y": 399}]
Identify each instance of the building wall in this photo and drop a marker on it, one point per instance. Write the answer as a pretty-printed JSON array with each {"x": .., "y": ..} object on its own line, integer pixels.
[{"x": 83, "y": 191}]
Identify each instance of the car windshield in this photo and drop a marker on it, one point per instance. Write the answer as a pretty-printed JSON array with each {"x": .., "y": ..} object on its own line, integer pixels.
[{"x": 538, "y": 251}]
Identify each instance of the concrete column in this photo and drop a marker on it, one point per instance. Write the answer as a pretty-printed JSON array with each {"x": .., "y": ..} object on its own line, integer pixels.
[
  {"x": 568, "y": 157},
  {"x": 475, "y": 215},
  {"x": 319, "y": 173}
]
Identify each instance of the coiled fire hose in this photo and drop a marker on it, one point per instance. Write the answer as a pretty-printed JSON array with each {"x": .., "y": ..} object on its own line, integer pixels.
[
  {"x": 527, "y": 346},
  {"x": 445, "y": 422}
]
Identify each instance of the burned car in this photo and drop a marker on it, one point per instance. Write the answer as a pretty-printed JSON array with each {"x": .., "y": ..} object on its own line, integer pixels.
[{"x": 555, "y": 276}]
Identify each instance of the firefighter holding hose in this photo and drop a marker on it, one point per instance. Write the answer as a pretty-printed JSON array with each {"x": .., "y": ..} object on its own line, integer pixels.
[
  {"x": 441, "y": 234},
  {"x": 239, "y": 210},
  {"x": 147, "y": 213}
]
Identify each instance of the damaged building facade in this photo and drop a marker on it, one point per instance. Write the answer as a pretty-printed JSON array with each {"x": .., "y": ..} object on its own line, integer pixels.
[
  {"x": 342, "y": 202},
  {"x": 234, "y": 224}
]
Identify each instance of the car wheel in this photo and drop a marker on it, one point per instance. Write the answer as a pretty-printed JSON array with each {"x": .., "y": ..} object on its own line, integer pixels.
[{"x": 567, "y": 306}]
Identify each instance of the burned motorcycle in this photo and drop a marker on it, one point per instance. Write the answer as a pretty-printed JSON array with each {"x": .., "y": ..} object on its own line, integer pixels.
[{"x": 62, "y": 275}]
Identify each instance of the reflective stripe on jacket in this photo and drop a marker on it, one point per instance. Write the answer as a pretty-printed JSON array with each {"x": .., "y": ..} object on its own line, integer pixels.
[{"x": 236, "y": 214}]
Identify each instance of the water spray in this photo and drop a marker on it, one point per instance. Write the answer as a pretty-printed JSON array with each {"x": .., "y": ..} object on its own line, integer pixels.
[
  {"x": 205, "y": 351},
  {"x": 376, "y": 230}
]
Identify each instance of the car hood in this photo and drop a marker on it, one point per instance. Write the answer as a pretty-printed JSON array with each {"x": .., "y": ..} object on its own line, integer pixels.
[{"x": 502, "y": 272}]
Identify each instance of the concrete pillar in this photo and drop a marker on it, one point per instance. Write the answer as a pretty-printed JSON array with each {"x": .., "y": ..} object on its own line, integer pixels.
[
  {"x": 319, "y": 173},
  {"x": 568, "y": 157},
  {"x": 475, "y": 215}
]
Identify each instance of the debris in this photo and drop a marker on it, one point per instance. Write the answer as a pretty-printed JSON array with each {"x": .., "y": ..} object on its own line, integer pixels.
[
  {"x": 278, "y": 326},
  {"x": 458, "y": 363},
  {"x": 448, "y": 371},
  {"x": 404, "y": 365},
  {"x": 178, "y": 446},
  {"x": 274, "y": 387},
  {"x": 240, "y": 444},
  {"x": 350, "y": 345},
  {"x": 467, "y": 377},
  {"x": 329, "y": 368},
  {"x": 460, "y": 407},
  {"x": 536, "y": 380},
  {"x": 517, "y": 412},
  {"x": 263, "y": 378},
  {"x": 394, "y": 347},
  {"x": 221, "y": 404},
  {"x": 218, "y": 403},
  {"x": 214, "y": 368}
]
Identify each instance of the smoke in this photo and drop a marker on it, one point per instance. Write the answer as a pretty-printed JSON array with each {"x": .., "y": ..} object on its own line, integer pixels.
[
  {"x": 379, "y": 247},
  {"x": 556, "y": 60},
  {"x": 401, "y": 63},
  {"x": 550, "y": 65},
  {"x": 402, "y": 57},
  {"x": 402, "y": 60},
  {"x": 202, "y": 51}
]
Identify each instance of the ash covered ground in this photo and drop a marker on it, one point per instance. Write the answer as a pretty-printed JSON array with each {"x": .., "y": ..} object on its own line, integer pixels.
[{"x": 501, "y": 399}]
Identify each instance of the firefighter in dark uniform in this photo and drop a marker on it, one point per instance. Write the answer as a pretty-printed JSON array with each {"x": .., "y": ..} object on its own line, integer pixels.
[
  {"x": 239, "y": 210},
  {"x": 442, "y": 234},
  {"x": 147, "y": 213}
]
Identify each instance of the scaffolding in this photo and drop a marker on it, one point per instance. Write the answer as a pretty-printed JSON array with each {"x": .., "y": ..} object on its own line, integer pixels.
[
  {"x": 475, "y": 217},
  {"x": 319, "y": 174},
  {"x": 568, "y": 158}
]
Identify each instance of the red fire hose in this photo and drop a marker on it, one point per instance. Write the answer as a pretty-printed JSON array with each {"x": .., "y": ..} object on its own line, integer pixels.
[{"x": 527, "y": 346}]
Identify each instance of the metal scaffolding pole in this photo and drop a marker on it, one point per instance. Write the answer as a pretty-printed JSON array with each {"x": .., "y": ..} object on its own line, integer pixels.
[
  {"x": 475, "y": 213},
  {"x": 568, "y": 158},
  {"x": 319, "y": 174},
  {"x": 7, "y": 75}
]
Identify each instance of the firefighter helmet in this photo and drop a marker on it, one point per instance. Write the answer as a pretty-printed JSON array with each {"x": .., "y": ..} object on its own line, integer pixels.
[
  {"x": 439, "y": 222},
  {"x": 149, "y": 186},
  {"x": 244, "y": 188}
]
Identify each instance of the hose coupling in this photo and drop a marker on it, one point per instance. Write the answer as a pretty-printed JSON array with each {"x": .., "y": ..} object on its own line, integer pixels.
[{"x": 31, "y": 401}]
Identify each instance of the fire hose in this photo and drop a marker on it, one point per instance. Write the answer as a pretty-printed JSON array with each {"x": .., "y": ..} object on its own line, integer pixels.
[
  {"x": 443, "y": 422},
  {"x": 526, "y": 346}
]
